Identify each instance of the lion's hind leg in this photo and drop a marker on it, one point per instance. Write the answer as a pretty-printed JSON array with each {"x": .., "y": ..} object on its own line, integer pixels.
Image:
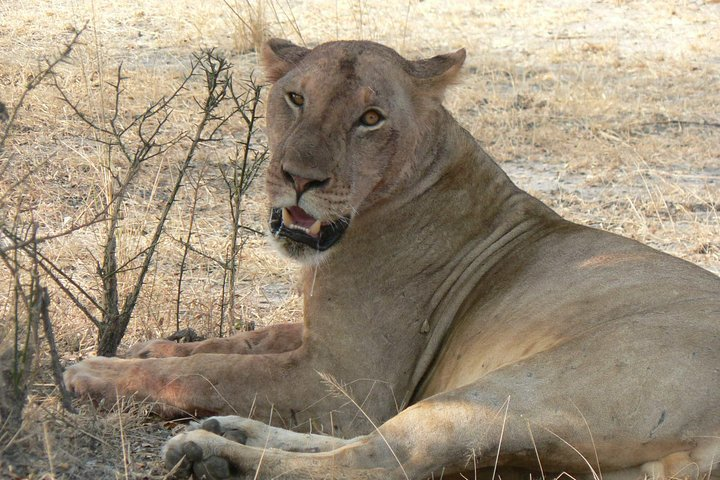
[
  {"x": 205, "y": 454},
  {"x": 415, "y": 444},
  {"x": 257, "y": 434},
  {"x": 457, "y": 431}
]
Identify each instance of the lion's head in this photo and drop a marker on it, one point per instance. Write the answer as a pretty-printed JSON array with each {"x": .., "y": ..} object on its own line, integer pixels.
[{"x": 346, "y": 122}]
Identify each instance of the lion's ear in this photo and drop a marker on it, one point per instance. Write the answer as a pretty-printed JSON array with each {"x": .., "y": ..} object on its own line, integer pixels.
[
  {"x": 438, "y": 72},
  {"x": 279, "y": 57}
]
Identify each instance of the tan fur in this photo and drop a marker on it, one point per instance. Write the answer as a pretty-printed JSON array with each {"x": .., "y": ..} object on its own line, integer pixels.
[{"x": 458, "y": 323}]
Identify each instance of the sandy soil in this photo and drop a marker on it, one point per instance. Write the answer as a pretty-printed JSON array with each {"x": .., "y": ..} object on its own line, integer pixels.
[{"x": 606, "y": 110}]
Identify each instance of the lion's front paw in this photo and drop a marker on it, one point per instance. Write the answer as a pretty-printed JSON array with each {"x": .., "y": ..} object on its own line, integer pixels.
[
  {"x": 100, "y": 378},
  {"x": 159, "y": 349},
  {"x": 204, "y": 455}
]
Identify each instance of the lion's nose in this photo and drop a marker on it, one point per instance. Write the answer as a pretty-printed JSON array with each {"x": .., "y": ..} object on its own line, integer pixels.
[{"x": 302, "y": 184}]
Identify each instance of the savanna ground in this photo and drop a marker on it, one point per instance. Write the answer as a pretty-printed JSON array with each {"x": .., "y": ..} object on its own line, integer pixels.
[{"x": 609, "y": 111}]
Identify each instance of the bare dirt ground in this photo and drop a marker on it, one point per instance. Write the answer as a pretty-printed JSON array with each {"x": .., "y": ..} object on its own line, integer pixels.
[{"x": 606, "y": 110}]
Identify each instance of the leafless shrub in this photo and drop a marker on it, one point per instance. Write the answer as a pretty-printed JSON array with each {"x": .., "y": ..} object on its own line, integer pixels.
[
  {"x": 129, "y": 146},
  {"x": 28, "y": 301},
  {"x": 238, "y": 175},
  {"x": 17, "y": 354},
  {"x": 243, "y": 169}
]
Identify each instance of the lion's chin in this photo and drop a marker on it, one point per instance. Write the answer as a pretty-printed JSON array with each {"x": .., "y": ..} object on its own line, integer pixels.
[{"x": 301, "y": 235}]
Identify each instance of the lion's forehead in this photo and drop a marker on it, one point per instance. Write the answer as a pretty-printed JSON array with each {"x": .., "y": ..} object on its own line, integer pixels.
[
  {"x": 363, "y": 74},
  {"x": 348, "y": 56}
]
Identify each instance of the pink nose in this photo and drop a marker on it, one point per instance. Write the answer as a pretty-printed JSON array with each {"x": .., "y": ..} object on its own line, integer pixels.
[{"x": 301, "y": 184}]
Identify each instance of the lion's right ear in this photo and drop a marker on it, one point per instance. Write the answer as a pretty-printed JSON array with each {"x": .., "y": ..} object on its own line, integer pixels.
[{"x": 279, "y": 57}]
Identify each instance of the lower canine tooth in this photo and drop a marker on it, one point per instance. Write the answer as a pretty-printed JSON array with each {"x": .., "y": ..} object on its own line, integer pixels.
[
  {"x": 315, "y": 228},
  {"x": 286, "y": 217}
]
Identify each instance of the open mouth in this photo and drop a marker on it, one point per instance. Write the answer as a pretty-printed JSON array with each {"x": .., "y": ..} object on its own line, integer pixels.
[{"x": 297, "y": 225}]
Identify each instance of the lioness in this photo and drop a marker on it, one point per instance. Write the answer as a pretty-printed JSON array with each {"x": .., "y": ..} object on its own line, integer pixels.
[{"x": 457, "y": 323}]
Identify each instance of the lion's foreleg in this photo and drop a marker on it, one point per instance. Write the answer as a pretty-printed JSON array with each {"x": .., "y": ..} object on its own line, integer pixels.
[{"x": 204, "y": 384}]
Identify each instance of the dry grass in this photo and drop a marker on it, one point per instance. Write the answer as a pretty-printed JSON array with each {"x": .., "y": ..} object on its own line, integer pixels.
[{"x": 608, "y": 111}]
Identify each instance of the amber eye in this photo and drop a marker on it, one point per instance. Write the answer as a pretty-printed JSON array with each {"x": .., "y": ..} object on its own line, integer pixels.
[
  {"x": 296, "y": 99},
  {"x": 371, "y": 118}
]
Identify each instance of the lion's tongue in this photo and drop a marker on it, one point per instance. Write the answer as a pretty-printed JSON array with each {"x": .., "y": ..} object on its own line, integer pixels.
[
  {"x": 301, "y": 218},
  {"x": 296, "y": 217}
]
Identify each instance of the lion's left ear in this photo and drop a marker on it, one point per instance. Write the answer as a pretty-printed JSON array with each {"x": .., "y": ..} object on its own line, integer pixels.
[
  {"x": 279, "y": 57},
  {"x": 440, "y": 71}
]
